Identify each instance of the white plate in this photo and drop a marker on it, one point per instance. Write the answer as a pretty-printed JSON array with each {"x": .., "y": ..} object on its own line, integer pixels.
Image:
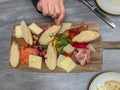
[
  {"x": 100, "y": 79},
  {"x": 109, "y": 6}
]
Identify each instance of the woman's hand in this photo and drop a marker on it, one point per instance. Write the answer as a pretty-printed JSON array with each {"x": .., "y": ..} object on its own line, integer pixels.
[{"x": 52, "y": 8}]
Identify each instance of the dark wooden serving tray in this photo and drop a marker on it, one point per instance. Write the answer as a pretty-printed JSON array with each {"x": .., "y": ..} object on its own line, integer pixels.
[{"x": 96, "y": 58}]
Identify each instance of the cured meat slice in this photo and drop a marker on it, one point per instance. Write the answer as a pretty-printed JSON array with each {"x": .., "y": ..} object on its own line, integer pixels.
[{"x": 81, "y": 56}]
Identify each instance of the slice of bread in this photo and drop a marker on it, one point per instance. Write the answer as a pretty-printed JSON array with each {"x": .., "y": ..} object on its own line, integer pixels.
[
  {"x": 26, "y": 33},
  {"x": 110, "y": 85},
  {"x": 86, "y": 36},
  {"x": 14, "y": 55},
  {"x": 51, "y": 57},
  {"x": 49, "y": 34}
]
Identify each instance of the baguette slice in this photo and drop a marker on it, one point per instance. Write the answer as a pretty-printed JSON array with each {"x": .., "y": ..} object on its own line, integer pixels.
[
  {"x": 86, "y": 36},
  {"x": 14, "y": 55},
  {"x": 112, "y": 85},
  {"x": 49, "y": 34},
  {"x": 26, "y": 33},
  {"x": 51, "y": 57}
]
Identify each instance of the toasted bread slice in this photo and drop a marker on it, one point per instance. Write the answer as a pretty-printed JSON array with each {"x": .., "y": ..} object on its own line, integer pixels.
[
  {"x": 14, "y": 55},
  {"x": 51, "y": 57},
  {"x": 49, "y": 34},
  {"x": 26, "y": 33},
  {"x": 86, "y": 36},
  {"x": 112, "y": 85}
]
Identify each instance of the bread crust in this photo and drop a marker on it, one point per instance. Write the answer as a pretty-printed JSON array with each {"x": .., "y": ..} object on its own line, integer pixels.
[
  {"x": 86, "y": 36},
  {"x": 49, "y": 34},
  {"x": 14, "y": 55},
  {"x": 51, "y": 57},
  {"x": 26, "y": 33}
]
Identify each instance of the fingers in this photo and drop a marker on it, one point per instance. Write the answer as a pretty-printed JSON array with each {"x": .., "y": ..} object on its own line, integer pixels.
[
  {"x": 53, "y": 8},
  {"x": 62, "y": 15},
  {"x": 45, "y": 8},
  {"x": 39, "y": 6}
]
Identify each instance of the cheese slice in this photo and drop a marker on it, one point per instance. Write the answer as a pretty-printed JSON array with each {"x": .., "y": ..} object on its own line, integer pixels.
[
  {"x": 18, "y": 32},
  {"x": 59, "y": 60},
  {"x": 67, "y": 64},
  {"x": 35, "y": 29},
  {"x": 65, "y": 26},
  {"x": 69, "y": 48},
  {"x": 35, "y": 62}
]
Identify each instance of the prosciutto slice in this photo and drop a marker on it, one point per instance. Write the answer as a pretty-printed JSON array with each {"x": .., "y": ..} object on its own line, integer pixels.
[{"x": 81, "y": 56}]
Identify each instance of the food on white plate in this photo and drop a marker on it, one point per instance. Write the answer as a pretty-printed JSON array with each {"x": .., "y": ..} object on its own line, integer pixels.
[
  {"x": 35, "y": 62},
  {"x": 49, "y": 34},
  {"x": 18, "y": 32},
  {"x": 14, "y": 55},
  {"x": 67, "y": 64},
  {"x": 51, "y": 57},
  {"x": 109, "y": 6},
  {"x": 110, "y": 85},
  {"x": 86, "y": 36},
  {"x": 81, "y": 56},
  {"x": 69, "y": 48},
  {"x": 65, "y": 26},
  {"x": 26, "y": 33},
  {"x": 35, "y": 29},
  {"x": 91, "y": 48}
]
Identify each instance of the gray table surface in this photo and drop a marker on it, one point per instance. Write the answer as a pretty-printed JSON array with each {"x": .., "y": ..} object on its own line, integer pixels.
[{"x": 14, "y": 11}]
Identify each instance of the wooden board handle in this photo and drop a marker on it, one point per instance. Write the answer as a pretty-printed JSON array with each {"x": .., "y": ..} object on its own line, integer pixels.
[{"x": 111, "y": 45}]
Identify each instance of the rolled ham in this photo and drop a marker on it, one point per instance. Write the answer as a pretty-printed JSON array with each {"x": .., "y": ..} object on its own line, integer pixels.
[{"x": 81, "y": 56}]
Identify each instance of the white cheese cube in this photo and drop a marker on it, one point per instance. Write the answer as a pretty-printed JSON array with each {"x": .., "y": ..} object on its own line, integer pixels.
[
  {"x": 35, "y": 29},
  {"x": 68, "y": 64},
  {"x": 18, "y": 32},
  {"x": 65, "y": 26},
  {"x": 69, "y": 48},
  {"x": 60, "y": 58},
  {"x": 35, "y": 62}
]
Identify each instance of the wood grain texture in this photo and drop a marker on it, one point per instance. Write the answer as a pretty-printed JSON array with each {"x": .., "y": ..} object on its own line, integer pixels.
[
  {"x": 95, "y": 58},
  {"x": 12, "y": 12}
]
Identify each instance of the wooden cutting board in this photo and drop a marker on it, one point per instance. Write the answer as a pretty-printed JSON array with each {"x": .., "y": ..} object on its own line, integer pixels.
[{"x": 96, "y": 58}]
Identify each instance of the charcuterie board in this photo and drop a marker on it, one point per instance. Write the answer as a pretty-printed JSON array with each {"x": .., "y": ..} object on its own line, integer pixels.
[{"x": 96, "y": 57}]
